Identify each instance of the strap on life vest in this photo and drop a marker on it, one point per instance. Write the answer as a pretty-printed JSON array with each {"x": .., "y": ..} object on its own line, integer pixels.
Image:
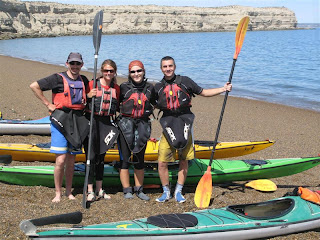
[
  {"x": 174, "y": 98},
  {"x": 102, "y": 110},
  {"x": 64, "y": 99},
  {"x": 139, "y": 109},
  {"x": 139, "y": 100}
]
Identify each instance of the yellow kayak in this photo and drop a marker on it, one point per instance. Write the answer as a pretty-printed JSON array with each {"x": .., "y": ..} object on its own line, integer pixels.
[{"x": 40, "y": 152}]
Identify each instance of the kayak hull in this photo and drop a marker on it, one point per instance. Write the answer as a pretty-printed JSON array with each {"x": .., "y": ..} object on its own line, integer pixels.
[
  {"x": 25, "y": 127},
  {"x": 32, "y": 152},
  {"x": 223, "y": 171},
  {"x": 276, "y": 217}
]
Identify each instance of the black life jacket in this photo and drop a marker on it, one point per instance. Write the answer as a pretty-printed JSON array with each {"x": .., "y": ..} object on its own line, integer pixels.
[
  {"x": 137, "y": 105},
  {"x": 174, "y": 96},
  {"x": 105, "y": 102}
]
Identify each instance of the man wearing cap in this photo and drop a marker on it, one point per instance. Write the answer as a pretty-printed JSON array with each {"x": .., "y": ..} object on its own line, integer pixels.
[
  {"x": 173, "y": 94},
  {"x": 68, "y": 102}
]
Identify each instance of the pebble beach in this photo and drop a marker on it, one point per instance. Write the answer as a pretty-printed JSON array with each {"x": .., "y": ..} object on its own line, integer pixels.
[{"x": 296, "y": 132}]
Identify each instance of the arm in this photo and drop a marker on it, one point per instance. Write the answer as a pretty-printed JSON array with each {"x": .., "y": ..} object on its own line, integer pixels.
[
  {"x": 39, "y": 94},
  {"x": 216, "y": 91}
]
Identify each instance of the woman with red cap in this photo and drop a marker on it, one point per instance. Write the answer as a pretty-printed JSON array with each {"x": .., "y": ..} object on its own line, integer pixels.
[{"x": 136, "y": 105}]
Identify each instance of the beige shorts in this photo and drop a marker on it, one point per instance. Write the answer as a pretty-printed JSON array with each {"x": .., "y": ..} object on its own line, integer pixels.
[{"x": 170, "y": 154}]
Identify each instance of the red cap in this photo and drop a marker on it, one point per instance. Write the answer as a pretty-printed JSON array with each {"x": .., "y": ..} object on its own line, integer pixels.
[{"x": 136, "y": 63}]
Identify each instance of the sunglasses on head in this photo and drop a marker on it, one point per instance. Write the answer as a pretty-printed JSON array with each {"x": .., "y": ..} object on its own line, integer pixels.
[
  {"x": 75, "y": 63},
  {"x": 107, "y": 70},
  {"x": 138, "y": 71}
]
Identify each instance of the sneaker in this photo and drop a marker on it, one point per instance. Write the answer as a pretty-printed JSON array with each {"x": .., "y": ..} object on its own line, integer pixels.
[
  {"x": 102, "y": 195},
  {"x": 142, "y": 196},
  {"x": 164, "y": 197},
  {"x": 91, "y": 197},
  {"x": 128, "y": 195},
  {"x": 179, "y": 197}
]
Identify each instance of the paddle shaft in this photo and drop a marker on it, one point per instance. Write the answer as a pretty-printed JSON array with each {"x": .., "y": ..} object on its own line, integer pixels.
[
  {"x": 203, "y": 192},
  {"x": 215, "y": 142},
  {"x": 96, "y": 42}
]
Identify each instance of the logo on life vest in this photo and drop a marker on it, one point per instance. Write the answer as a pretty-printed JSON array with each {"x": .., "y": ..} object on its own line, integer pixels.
[
  {"x": 57, "y": 121},
  {"x": 186, "y": 130},
  {"x": 109, "y": 137},
  {"x": 171, "y": 134}
]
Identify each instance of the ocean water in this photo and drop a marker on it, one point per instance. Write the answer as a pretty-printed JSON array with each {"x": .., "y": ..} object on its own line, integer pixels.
[{"x": 274, "y": 66}]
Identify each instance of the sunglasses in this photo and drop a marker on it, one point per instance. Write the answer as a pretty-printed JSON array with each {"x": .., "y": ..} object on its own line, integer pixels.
[
  {"x": 138, "y": 71},
  {"x": 75, "y": 63},
  {"x": 107, "y": 70}
]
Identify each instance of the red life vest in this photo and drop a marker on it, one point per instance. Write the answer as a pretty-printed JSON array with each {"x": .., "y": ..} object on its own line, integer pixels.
[
  {"x": 73, "y": 95},
  {"x": 105, "y": 102},
  {"x": 137, "y": 105},
  {"x": 174, "y": 96}
]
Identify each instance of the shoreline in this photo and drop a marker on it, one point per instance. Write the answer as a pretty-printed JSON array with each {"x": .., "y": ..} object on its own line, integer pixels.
[
  {"x": 10, "y": 36},
  {"x": 296, "y": 132},
  {"x": 123, "y": 77}
]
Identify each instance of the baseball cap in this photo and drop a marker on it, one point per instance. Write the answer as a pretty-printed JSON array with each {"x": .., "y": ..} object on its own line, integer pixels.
[{"x": 74, "y": 57}]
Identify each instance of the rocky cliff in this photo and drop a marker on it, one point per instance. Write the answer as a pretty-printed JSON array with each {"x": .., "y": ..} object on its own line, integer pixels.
[{"x": 39, "y": 19}]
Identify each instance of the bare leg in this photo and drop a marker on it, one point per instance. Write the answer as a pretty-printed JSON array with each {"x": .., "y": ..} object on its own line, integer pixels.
[
  {"x": 163, "y": 173},
  {"x": 164, "y": 177},
  {"x": 183, "y": 171},
  {"x": 138, "y": 177},
  {"x": 90, "y": 197},
  {"x": 58, "y": 175},
  {"x": 69, "y": 174},
  {"x": 90, "y": 187},
  {"x": 125, "y": 178}
]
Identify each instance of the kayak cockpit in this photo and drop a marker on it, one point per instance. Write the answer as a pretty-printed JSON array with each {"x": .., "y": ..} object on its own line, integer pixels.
[{"x": 264, "y": 210}]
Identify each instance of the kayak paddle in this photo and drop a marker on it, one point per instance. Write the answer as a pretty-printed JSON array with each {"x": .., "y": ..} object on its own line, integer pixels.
[
  {"x": 263, "y": 185},
  {"x": 203, "y": 192},
  {"x": 97, "y": 32}
]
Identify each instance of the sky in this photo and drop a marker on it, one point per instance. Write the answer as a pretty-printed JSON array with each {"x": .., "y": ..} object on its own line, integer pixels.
[{"x": 307, "y": 11}]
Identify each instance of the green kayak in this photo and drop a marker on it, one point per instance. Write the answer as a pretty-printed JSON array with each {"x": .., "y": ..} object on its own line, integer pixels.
[
  {"x": 276, "y": 217},
  {"x": 222, "y": 171}
]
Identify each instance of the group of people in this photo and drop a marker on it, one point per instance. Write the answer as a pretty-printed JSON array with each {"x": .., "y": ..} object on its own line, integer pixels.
[{"x": 121, "y": 114}]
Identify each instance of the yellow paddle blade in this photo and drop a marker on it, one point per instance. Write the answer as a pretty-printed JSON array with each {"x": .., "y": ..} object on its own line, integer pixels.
[
  {"x": 240, "y": 34},
  {"x": 264, "y": 185},
  {"x": 203, "y": 192}
]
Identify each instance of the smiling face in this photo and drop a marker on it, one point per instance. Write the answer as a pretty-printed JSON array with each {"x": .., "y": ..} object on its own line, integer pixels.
[
  {"x": 74, "y": 68},
  {"x": 108, "y": 73},
  {"x": 136, "y": 74},
  {"x": 168, "y": 67}
]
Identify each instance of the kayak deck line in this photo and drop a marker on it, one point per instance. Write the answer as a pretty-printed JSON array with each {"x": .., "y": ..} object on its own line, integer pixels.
[
  {"x": 41, "y": 152},
  {"x": 223, "y": 171},
  {"x": 202, "y": 213},
  {"x": 281, "y": 216},
  {"x": 267, "y": 161}
]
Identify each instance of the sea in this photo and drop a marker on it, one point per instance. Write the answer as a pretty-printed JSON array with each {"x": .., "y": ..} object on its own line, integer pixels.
[{"x": 273, "y": 66}]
